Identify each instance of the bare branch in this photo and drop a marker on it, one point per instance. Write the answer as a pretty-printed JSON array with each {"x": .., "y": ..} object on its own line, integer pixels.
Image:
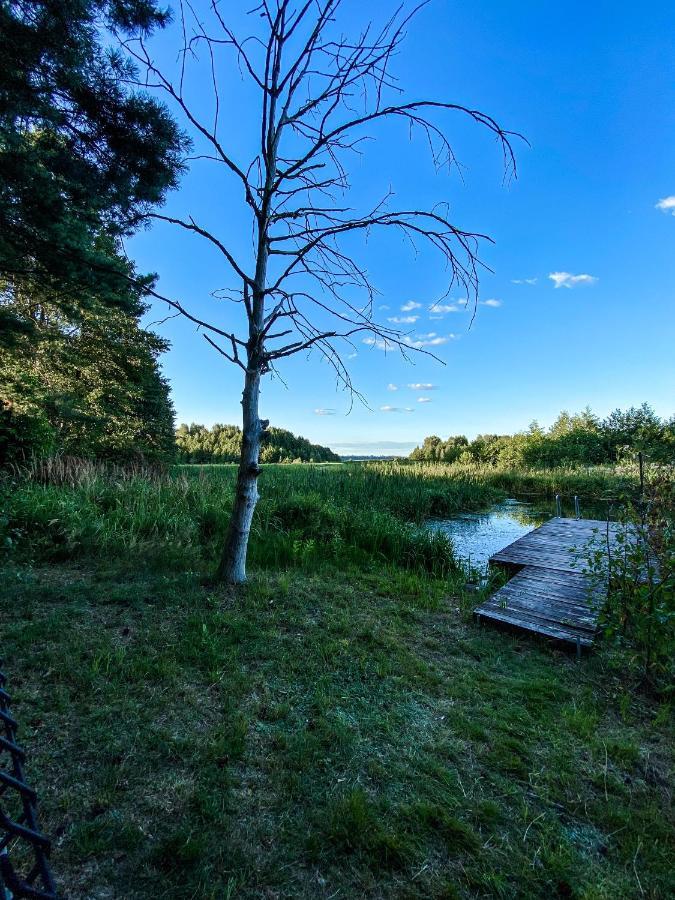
[
  {"x": 233, "y": 359},
  {"x": 137, "y": 50},
  {"x": 192, "y": 226},
  {"x": 319, "y": 93}
]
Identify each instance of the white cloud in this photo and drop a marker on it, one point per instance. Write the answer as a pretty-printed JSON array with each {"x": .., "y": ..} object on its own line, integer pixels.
[
  {"x": 416, "y": 342},
  {"x": 566, "y": 279},
  {"x": 380, "y": 344},
  {"x": 392, "y": 387},
  {"x": 324, "y": 412},
  {"x": 428, "y": 340},
  {"x": 667, "y": 205},
  {"x": 410, "y": 305},
  {"x": 396, "y": 409},
  {"x": 384, "y": 306},
  {"x": 523, "y": 281},
  {"x": 423, "y": 387},
  {"x": 424, "y": 399},
  {"x": 440, "y": 309},
  {"x": 462, "y": 302},
  {"x": 493, "y": 303},
  {"x": 403, "y": 320}
]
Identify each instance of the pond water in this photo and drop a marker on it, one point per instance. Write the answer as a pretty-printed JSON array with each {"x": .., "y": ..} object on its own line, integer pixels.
[{"x": 477, "y": 536}]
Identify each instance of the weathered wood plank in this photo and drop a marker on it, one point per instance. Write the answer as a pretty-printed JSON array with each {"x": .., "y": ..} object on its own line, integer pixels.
[
  {"x": 561, "y": 544},
  {"x": 558, "y": 632},
  {"x": 532, "y": 620},
  {"x": 550, "y": 593},
  {"x": 549, "y": 609}
]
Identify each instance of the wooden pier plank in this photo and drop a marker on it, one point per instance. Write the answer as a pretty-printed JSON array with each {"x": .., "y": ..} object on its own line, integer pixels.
[
  {"x": 561, "y": 544},
  {"x": 550, "y": 593}
]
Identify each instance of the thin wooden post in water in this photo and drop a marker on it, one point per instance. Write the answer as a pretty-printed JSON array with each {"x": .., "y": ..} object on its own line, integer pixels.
[{"x": 642, "y": 474}]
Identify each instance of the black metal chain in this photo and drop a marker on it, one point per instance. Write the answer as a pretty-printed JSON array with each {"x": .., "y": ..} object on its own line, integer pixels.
[{"x": 24, "y": 849}]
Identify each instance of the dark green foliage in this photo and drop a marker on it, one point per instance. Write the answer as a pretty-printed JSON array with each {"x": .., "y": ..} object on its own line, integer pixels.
[
  {"x": 222, "y": 444},
  {"x": 80, "y": 154},
  {"x": 639, "y": 616},
  {"x": 640, "y": 429},
  {"x": 89, "y": 387},
  {"x": 83, "y": 159},
  {"x": 572, "y": 440}
]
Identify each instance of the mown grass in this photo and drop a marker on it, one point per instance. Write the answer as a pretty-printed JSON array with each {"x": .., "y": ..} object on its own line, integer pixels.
[
  {"x": 337, "y": 728},
  {"x": 314, "y": 733}
]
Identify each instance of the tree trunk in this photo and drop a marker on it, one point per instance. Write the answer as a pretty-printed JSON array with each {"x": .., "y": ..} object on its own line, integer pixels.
[{"x": 232, "y": 568}]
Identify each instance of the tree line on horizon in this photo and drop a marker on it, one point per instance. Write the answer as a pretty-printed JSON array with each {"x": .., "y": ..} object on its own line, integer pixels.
[
  {"x": 222, "y": 444},
  {"x": 579, "y": 439}
]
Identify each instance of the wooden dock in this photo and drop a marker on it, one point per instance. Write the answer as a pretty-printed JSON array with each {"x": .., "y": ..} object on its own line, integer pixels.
[{"x": 550, "y": 593}]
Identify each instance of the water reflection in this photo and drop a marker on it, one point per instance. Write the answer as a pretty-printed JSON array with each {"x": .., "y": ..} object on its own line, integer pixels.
[{"x": 478, "y": 536}]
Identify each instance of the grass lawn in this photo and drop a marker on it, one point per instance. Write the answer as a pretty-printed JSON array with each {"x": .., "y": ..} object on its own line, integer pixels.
[{"x": 340, "y": 731}]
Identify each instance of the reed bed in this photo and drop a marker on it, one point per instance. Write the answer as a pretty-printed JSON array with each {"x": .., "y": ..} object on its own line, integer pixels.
[
  {"x": 359, "y": 512},
  {"x": 307, "y": 514},
  {"x": 589, "y": 482}
]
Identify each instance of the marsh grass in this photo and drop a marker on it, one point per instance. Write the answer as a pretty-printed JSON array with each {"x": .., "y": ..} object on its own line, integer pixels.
[
  {"x": 65, "y": 510},
  {"x": 595, "y": 483},
  {"x": 306, "y": 514}
]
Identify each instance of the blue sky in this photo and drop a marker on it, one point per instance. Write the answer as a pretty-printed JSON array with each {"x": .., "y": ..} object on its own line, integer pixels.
[{"x": 579, "y": 306}]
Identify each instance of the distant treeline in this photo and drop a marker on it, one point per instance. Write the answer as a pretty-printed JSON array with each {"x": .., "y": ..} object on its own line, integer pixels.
[
  {"x": 581, "y": 439},
  {"x": 222, "y": 444}
]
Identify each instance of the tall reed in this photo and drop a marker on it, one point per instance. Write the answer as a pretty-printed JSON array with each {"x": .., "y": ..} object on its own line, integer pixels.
[
  {"x": 363, "y": 512},
  {"x": 308, "y": 514}
]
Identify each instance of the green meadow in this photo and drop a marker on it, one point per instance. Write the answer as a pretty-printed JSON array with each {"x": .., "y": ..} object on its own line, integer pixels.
[{"x": 339, "y": 727}]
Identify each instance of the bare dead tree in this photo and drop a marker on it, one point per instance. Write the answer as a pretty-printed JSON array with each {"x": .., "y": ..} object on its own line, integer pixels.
[{"x": 318, "y": 92}]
